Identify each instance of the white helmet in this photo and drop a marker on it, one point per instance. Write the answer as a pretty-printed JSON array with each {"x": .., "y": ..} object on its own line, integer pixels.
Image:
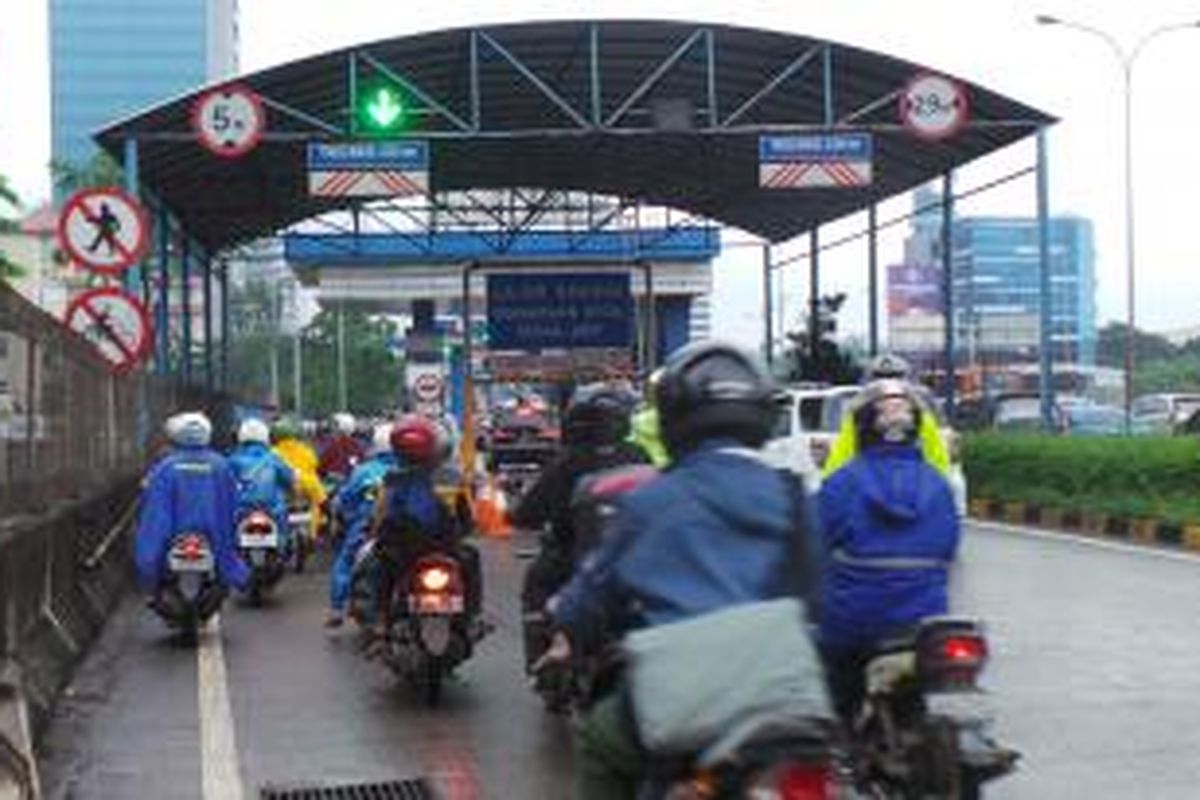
[
  {"x": 189, "y": 429},
  {"x": 343, "y": 423},
  {"x": 254, "y": 430},
  {"x": 381, "y": 440}
]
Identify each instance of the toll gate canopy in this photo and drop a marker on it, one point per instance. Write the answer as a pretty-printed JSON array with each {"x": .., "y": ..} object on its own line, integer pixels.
[{"x": 663, "y": 113}]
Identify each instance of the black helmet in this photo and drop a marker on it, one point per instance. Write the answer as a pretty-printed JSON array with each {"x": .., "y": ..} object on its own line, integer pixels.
[
  {"x": 597, "y": 415},
  {"x": 712, "y": 390}
]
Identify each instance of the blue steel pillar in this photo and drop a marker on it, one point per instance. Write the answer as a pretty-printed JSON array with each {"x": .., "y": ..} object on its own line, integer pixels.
[
  {"x": 185, "y": 315},
  {"x": 1046, "y": 382},
  {"x": 133, "y": 276},
  {"x": 948, "y": 288},
  {"x": 873, "y": 279},
  {"x": 224, "y": 277},
  {"x": 814, "y": 294}
]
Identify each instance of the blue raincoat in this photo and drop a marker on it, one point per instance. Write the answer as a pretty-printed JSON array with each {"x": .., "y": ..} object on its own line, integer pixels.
[
  {"x": 264, "y": 481},
  {"x": 189, "y": 489},
  {"x": 355, "y": 501},
  {"x": 891, "y": 534}
]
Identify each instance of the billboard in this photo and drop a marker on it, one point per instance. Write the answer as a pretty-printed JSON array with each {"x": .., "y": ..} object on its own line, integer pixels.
[
  {"x": 547, "y": 311},
  {"x": 914, "y": 289}
]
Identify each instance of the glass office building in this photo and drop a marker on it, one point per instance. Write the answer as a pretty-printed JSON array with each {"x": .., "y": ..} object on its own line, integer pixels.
[
  {"x": 113, "y": 58},
  {"x": 997, "y": 290}
]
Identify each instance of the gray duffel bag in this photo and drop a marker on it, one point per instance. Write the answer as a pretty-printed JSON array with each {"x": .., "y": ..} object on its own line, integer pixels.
[{"x": 691, "y": 682}]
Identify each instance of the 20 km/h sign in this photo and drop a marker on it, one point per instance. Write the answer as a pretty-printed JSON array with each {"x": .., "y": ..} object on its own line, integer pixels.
[
  {"x": 115, "y": 323},
  {"x": 104, "y": 230},
  {"x": 229, "y": 121},
  {"x": 934, "y": 106}
]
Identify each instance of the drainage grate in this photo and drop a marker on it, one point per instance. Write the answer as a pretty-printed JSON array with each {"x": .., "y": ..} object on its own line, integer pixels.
[{"x": 391, "y": 790}]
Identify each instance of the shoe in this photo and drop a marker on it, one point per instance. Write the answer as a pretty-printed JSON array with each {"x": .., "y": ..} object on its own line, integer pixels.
[{"x": 334, "y": 620}]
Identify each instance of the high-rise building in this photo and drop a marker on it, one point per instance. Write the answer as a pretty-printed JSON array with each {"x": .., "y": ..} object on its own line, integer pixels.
[
  {"x": 112, "y": 58},
  {"x": 997, "y": 290}
]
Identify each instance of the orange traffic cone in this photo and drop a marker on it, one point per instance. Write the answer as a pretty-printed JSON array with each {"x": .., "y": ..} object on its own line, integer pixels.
[{"x": 491, "y": 511}]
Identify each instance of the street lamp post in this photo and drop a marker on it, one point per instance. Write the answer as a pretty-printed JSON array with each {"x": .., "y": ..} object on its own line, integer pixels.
[{"x": 1126, "y": 60}]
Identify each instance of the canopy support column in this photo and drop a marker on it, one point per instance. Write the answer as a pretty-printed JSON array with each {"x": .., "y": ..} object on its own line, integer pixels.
[
  {"x": 1043, "y": 215},
  {"x": 209, "y": 367},
  {"x": 814, "y": 293},
  {"x": 948, "y": 288},
  {"x": 186, "y": 310},
  {"x": 873, "y": 278},
  {"x": 768, "y": 310}
]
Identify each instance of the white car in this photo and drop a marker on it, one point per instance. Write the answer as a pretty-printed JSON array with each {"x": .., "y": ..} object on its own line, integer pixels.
[{"x": 808, "y": 422}]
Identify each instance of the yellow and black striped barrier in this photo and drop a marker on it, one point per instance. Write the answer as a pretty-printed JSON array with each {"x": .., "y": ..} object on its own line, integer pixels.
[{"x": 1138, "y": 530}]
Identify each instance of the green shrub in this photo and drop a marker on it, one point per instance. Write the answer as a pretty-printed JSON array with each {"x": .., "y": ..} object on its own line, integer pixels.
[{"x": 1124, "y": 476}]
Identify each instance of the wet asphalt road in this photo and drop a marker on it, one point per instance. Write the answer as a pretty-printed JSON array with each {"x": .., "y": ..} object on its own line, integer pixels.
[{"x": 1096, "y": 662}]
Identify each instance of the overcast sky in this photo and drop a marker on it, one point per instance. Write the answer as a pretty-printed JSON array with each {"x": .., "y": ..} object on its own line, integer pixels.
[{"x": 995, "y": 43}]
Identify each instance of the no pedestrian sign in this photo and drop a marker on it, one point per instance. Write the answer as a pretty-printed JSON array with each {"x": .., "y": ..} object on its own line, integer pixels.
[
  {"x": 115, "y": 323},
  {"x": 229, "y": 121},
  {"x": 103, "y": 230}
]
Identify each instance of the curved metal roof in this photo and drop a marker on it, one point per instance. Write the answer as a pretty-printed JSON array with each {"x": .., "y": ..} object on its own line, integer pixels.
[{"x": 574, "y": 105}]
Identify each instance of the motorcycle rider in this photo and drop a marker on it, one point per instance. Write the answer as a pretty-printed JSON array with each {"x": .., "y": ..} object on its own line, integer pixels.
[
  {"x": 845, "y": 446},
  {"x": 717, "y": 529},
  {"x": 264, "y": 481},
  {"x": 190, "y": 489},
  {"x": 354, "y": 504},
  {"x": 299, "y": 455},
  {"x": 341, "y": 452},
  {"x": 594, "y": 433},
  {"x": 645, "y": 428},
  {"x": 409, "y": 518},
  {"x": 891, "y": 534}
]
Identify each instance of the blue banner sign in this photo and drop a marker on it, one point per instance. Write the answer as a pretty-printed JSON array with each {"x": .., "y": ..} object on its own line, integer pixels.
[
  {"x": 818, "y": 147},
  {"x": 543, "y": 311},
  {"x": 407, "y": 154}
]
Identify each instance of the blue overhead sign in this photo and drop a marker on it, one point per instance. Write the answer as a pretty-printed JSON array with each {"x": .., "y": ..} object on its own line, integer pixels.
[
  {"x": 815, "y": 161},
  {"x": 544, "y": 311},
  {"x": 407, "y": 154},
  {"x": 815, "y": 147}
]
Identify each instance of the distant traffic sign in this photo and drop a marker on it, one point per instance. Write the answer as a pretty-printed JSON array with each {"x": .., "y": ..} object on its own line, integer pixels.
[
  {"x": 369, "y": 169},
  {"x": 934, "y": 106},
  {"x": 815, "y": 161},
  {"x": 104, "y": 230},
  {"x": 427, "y": 387},
  {"x": 116, "y": 323},
  {"x": 229, "y": 121}
]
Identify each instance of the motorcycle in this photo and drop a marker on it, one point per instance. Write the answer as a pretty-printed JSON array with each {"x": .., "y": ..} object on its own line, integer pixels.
[
  {"x": 433, "y": 632},
  {"x": 300, "y": 534},
  {"x": 192, "y": 593},
  {"x": 767, "y": 757},
  {"x": 922, "y": 730},
  {"x": 258, "y": 541},
  {"x": 593, "y": 504}
]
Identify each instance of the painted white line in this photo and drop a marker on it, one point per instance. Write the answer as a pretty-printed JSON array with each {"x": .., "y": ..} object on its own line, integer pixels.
[
  {"x": 1148, "y": 551},
  {"x": 220, "y": 771}
]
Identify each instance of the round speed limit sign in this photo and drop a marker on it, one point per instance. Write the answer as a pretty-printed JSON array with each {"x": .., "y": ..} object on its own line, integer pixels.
[
  {"x": 229, "y": 121},
  {"x": 933, "y": 106}
]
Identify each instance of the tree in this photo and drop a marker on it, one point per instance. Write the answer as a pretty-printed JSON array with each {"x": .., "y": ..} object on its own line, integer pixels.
[
  {"x": 100, "y": 170},
  {"x": 10, "y": 206},
  {"x": 1147, "y": 347},
  {"x": 373, "y": 372},
  {"x": 827, "y": 362}
]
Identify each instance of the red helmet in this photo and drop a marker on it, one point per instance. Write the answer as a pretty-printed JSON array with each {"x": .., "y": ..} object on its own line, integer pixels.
[{"x": 415, "y": 439}]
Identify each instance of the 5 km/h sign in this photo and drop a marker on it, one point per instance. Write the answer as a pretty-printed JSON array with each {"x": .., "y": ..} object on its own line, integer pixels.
[
  {"x": 103, "y": 230},
  {"x": 115, "y": 323},
  {"x": 229, "y": 121}
]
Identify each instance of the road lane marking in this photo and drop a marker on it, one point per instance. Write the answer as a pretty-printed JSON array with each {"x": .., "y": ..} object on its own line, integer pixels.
[
  {"x": 220, "y": 771},
  {"x": 1088, "y": 541}
]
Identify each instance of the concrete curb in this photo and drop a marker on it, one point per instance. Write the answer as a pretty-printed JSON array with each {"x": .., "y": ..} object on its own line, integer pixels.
[{"x": 1133, "y": 530}]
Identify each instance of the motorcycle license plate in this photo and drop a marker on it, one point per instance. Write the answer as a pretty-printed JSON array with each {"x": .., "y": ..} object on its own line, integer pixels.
[
  {"x": 435, "y": 634},
  {"x": 185, "y": 565},
  {"x": 435, "y": 604},
  {"x": 259, "y": 540},
  {"x": 974, "y": 706}
]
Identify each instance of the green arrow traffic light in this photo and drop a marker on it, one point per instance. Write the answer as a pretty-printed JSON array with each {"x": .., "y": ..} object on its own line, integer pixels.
[{"x": 381, "y": 109}]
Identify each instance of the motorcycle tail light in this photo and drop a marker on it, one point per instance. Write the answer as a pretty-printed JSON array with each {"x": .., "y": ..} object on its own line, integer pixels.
[
  {"x": 435, "y": 579},
  {"x": 953, "y": 658},
  {"x": 796, "y": 781},
  {"x": 191, "y": 548}
]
